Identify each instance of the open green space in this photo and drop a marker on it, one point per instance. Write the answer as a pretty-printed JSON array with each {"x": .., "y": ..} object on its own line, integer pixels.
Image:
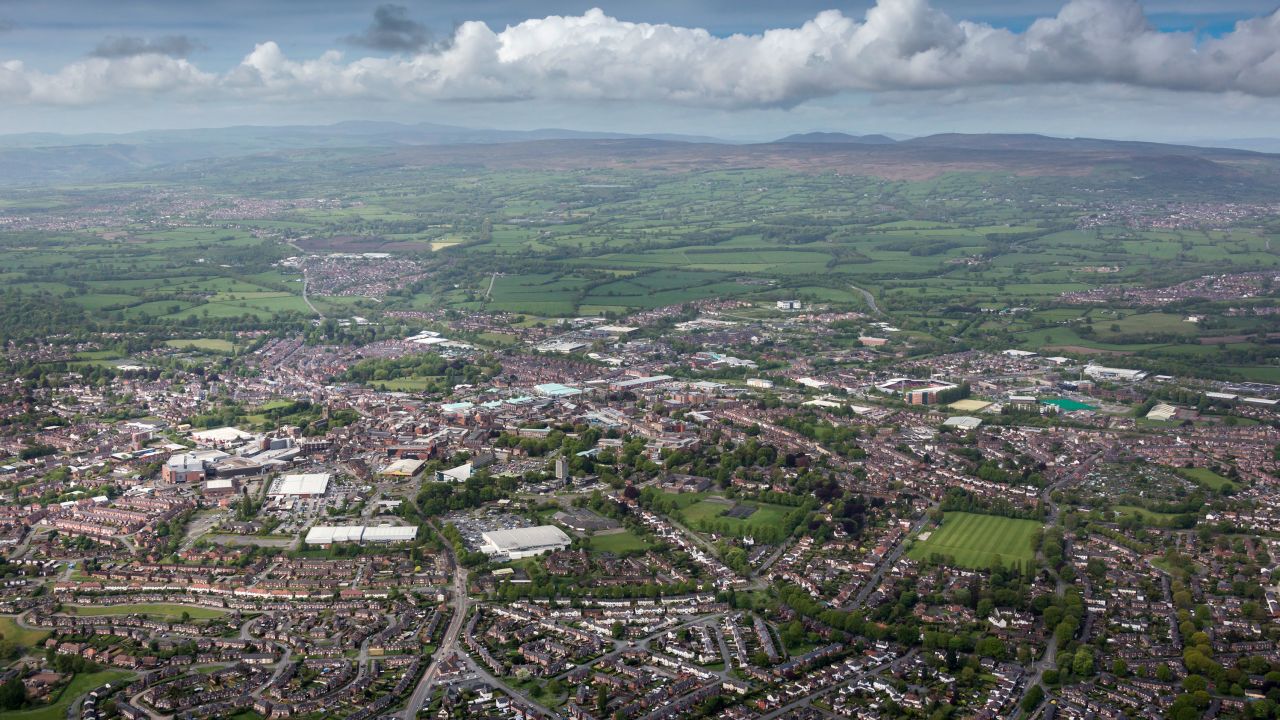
[
  {"x": 978, "y": 541},
  {"x": 214, "y": 344},
  {"x": 1207, "y": 478},
  {"x": 617, "y": 542},
  {"x": 23, "y": 637},
  {"x": 79, "y": 685},
  {"x": 166, "y": 611}
]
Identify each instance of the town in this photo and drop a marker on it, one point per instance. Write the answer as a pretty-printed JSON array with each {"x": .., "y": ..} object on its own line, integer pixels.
[{"x": 670, "y": 514}]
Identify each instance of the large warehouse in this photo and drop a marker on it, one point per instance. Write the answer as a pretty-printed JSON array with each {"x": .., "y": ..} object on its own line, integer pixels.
[
  {"x": 326, "y": 535},
  {"x": 524, "y": 542},
  {"x": 307, "y": 485}
]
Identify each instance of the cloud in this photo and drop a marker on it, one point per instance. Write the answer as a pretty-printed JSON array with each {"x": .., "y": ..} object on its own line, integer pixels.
[
  {"x": 6, "y": 25},
  {"x": 176, "y": 46},
  {"x": 897, "y": 46},
  {"x": 392, "y": 31}
]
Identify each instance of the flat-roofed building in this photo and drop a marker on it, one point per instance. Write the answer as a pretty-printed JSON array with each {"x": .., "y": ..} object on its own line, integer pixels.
[
  {"x": 305, "y": 485},
  {"x": 404, "y": 468},
  {"x": 184, "y": 468},
  {"x": 524, "y": 542}
]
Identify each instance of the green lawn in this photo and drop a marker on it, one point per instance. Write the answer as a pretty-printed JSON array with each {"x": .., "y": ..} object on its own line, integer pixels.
[
  {"x": 1207, "y": 478},
  {"x": 79, "y": 685},
  {"x": 10, "y": 630},
  {"x": 168, "y": 611},
  {"x": 214, "y": 344},
  {"x": 620, "y": 542},
  {"x": 975, "y": 541}
]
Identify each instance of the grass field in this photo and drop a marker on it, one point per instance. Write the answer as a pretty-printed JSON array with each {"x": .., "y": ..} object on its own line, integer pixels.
[
  {"x": 79, "y": 685},
  {"x": 976, "y": 541},
  {"x": 214, "y": 344},
  {"x": 10, "y": 630},
  {"x": 1150, "y": 517},
  {"x": 167, "y": 611},
  {"x": 619, "y": 542},
  {"x": 1207, "y": 478}
]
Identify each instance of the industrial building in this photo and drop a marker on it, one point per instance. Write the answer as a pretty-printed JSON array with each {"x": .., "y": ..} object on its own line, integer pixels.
[
  {"x": 403, "y": 468},
  {"x": 307, "y": 485},
  {"x": 524, "y": 542},
  {"x": 184, "y": 468},
  {"x": 326, "y": 535},
  {"x": 1098, "y": 372}
]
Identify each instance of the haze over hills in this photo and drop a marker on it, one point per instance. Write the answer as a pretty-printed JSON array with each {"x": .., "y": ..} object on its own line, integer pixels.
[
  {"x": 837, "y": 138},
  {"x": 44, "y": 158}
]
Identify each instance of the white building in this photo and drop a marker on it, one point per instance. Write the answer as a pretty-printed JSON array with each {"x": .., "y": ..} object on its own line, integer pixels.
[
  {"x": 462, "y": 473},
  {"x": 325, "y": 535},
  {"x": 1098, "y": 372},
  {"x": 524, "y": 542},
  {"x": 306, "y": 485}
]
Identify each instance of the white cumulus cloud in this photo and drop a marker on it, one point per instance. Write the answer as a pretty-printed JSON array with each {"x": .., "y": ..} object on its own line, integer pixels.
[{"x": 899, "y": 45}]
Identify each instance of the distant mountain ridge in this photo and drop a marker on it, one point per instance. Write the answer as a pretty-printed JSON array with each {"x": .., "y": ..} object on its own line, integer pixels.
[
  {"x": 45, "y": 158},
  {"x": 837, "y": 138}
]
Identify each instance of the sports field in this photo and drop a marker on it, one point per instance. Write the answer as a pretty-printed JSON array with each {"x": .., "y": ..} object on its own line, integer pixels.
[
  {"x": 975, "y": 541},
  {"x": 166, "y": 611}
]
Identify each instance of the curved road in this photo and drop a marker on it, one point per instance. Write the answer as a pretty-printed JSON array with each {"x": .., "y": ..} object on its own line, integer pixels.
[{"x": 869, "y": 299}]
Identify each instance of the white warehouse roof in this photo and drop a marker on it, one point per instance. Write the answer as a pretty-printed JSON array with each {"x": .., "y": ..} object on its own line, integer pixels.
[
  {"x": 330, "y": 534},
  {"x": 522, "y": 540},
  {"x": 307, "y": 484}
]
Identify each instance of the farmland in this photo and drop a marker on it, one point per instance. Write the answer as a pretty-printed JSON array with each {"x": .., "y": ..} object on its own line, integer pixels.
[
  {"x": 959, "y": 256},
  {"x": 978, "y": 541}
]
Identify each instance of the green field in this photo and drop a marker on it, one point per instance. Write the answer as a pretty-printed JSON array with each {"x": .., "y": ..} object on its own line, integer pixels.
[
  {"x": 214, "y": 344},
  {"x": 976, "y": 541},
  {"x": 10, "y": 630},
  {"x": 618, "y": 542},
  {"x": 79, "y": 685},
  {"x": 167, "y": 611},
  {"x": 1207, "y": 478}
]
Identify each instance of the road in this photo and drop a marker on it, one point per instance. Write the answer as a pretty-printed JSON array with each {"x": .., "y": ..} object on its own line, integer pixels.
[
  {"x": 891, "y": 559},
  {"x": 306, "y": 299},
  {"x": 489, "y": 292},
  {"x": 786, "y": 710},
  {"x": 1050, "y": 657},
  {"x": 461, "y": 604},
  {"x": 869, "y": 299}
]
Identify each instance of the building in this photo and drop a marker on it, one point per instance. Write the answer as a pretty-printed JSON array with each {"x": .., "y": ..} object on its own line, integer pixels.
[
  {"x": 963, "y": 422},
  {"x": 556, "y": 390},
  {"x": 327, "y": 535},
  {"x": 790, "y": 305},
  {"x": 524, "y": 542},
  {"x": 562, "y": 468},
  {"x": 403, "y": 468},
  {"x": 759, "y": 383},
  {"x": 1163, "y": 412},
  {"x": 927, "y": 395},
  {"x": 1023, "y": 403},
  {"x": 1098, "y": 372},
  {"x": 462, "y": 473},
  {"x": 184, "y": 468},
  {"x": 307, "y": 485},
  {"x": 220, "y": 437},
  {"x": 220, "y": 487}
]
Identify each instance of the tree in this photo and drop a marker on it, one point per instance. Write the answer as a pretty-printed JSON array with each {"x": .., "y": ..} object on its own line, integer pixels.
[
  {"x": 1082, "y": 663},
  {"x": 13, "y": 694},
  {"x": 1034, "y": 697}
]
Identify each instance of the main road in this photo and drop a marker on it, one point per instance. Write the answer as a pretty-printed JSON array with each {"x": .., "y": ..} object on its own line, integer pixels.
[{"x": 461, "y": 605}]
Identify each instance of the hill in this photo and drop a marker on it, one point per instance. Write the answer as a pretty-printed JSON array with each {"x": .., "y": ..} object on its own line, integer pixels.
[{"x": 828, "y": 138}]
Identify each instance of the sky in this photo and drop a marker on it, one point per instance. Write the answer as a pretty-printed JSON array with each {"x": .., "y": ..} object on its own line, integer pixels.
[{"x": 1165, "y": 70}]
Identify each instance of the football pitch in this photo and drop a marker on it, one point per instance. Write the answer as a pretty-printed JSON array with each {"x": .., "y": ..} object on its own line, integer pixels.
[{"x": 975, "y": 541}]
